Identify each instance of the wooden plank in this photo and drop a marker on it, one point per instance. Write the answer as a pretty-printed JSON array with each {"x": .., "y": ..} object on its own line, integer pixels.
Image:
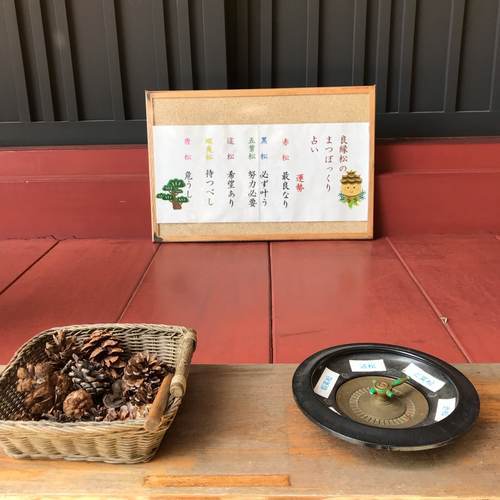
[
  {"x": 16, "y": 256},
  {"x": 212, "y": 57},
  {"x": 359, "y": 42},
  {"x": 184, "y": 44},
  {"x": 384, "y": 11},
  {"x": 454, "y": 54},
  {"x": 61, "y": 40},
  {"x": 461, "y": 274},
  {"x": 16, "y": 56},
  {"x": 241, "y": 422},
  {"x": 41, "y": 60},
  {"x": 328, "y": 293},
  {"x": 79, "y": 281},
  {"x": 406, "y": 55},
  {"x": 113, "y": 60},
  {"x": 221, "y": 290},
  {"x": 82, "y": 192},
  {"x": 312, "y": 43},
  {"x": 495, "y": 69},
  {"x": 160, "y": 44},
  {"x": 221, "y": 481}
]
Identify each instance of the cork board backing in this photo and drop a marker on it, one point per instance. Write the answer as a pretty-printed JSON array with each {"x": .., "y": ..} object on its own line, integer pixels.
[{"x": 261, "y": 106}]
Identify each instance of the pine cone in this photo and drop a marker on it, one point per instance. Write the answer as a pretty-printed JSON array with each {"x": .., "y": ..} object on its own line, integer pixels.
[
  {"x": 40, "y": 399},
  {"x": 88, "y": 375},
  {"x": 62, "y": 347},
  {"x": 142, "y": 378},
  {"x": 35, "y": 381},
  {"x": 102, "y": 348},
  {"x": 77, "y": 404},
  {"x": 126, "y": 412},
  {"x": 62, "y": 387}
]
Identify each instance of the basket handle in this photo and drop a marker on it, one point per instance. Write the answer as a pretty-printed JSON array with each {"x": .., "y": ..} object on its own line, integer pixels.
[
  {"x": 153, "y": 420},
  {"x": 188, "y": 345}
]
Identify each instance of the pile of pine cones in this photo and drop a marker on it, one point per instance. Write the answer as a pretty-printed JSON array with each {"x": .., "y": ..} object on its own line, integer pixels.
[{"x": 93, "y": 381}]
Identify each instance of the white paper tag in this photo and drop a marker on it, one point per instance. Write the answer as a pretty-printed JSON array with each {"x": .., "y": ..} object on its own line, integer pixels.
[
  {"x": 367, "y": 365},
  {"x": 334, "y": 410},
  {"x": 444, "y": 408},
  {"x": 423, "y": 378},
  {"x": 326, "y": 383}
]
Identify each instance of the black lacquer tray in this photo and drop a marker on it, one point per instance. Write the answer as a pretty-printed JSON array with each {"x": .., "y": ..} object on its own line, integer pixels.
[{"x": 385, "y": 396}]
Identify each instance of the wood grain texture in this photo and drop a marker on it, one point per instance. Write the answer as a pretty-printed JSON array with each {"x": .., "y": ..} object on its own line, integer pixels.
[
  {"x": 461, "y": 274},
  {"x": 327, "y": 293},
  {"x": 229, "y": 427},
  {"x": 18, "y": 255},
  {"x": 79, "y": 281},
  {"x": 219, "y": 289}
]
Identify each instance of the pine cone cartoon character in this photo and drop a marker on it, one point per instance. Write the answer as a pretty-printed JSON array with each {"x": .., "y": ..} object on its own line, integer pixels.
[{"x": 351, "y": 190}]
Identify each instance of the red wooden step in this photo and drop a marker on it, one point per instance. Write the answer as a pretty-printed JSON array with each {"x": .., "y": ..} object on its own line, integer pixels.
[
  {"x": 336, "y": 292},
  {"x": 79, "y": 281},
  {"x": 461, "y": 275},
  {"x": 16, "y": 256},
  {"x": 221, "y": 289}
]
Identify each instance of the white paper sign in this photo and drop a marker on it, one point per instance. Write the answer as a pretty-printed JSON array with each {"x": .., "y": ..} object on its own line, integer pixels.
[
  {"x": 326, "y": 383},
  {"x": 422, "y": 377},
  {"x": 261, "y": 173},
  {"x": 444, "y": 408},
  {"x": 368, "y": 365}
]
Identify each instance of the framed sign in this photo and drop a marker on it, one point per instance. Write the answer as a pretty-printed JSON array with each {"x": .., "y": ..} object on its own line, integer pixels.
[{"x": 261, "y": 164}]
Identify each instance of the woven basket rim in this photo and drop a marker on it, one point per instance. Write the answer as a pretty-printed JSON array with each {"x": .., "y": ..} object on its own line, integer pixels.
[
  {"x": 84, "y": 326},
  {"x": 44, "y": 424}
]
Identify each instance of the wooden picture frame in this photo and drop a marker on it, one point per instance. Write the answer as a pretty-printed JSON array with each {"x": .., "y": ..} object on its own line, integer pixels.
[{"x": 262, "y": 106}]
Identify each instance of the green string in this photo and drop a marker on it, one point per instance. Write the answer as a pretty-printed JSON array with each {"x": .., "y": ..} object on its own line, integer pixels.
[{"x": 388, "y": 392}]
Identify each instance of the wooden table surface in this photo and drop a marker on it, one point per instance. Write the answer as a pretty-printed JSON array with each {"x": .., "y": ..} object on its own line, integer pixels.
[{"x": 239, "y": 433}]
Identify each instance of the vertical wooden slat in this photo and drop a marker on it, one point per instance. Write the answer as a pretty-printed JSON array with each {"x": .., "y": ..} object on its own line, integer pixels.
[
  {"x": 63, "y": 46},
  {"x": 312, "y": 43},
  {"x": 16, "y": 59},
  {"x": 358, "y": 42},
  {"x": 184, "y": 43},
  {"x": 382, "y": 64},
  {"x": 266, "y": 43},
  {"x": 160, "y": 44},
  {"x": 453, "y": 54},
  {"x": 406, "y": 55},
  {"x": 41, "y": 61},
  {"x": 242, "y": 52},
  {"x": 214, "y": 44},
  {"x": 495, "y": 73},
  {"x": 113, "y": 62}
]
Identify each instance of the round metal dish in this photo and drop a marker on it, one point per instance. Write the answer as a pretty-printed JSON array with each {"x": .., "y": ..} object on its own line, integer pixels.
[{"x": 385, "y": 396}]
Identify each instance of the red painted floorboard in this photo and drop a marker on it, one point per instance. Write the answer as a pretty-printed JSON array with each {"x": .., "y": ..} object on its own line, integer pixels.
[
  {"x": 18, "y": 255},
  {"x": 221, "y": 289},
  {"x": 327, "y": 293},
  {"x": 79, "y": 281},
  {"x": 461, "y": 274}
]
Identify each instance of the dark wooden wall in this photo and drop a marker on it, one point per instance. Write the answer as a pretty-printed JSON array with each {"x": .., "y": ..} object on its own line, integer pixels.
[{"x": 75, "y": 71}]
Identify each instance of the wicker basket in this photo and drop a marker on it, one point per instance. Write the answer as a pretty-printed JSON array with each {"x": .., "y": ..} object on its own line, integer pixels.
[{"x": 113, "y": 442}]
